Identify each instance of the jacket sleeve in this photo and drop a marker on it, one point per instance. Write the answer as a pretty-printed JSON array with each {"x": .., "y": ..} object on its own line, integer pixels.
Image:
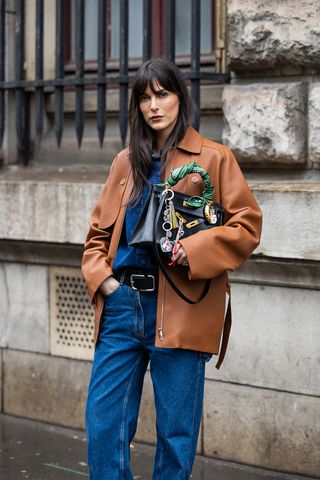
[
  {"x": 95, "y": 268},
  {"x": 211, "y": 252}
]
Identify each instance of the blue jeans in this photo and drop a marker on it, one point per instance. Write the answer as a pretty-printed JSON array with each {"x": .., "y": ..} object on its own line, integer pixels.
[{"x": 124, "y": 348}]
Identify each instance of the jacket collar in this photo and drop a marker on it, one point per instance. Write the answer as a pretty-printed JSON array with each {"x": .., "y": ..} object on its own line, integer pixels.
[{"x": 192, "y": 141}]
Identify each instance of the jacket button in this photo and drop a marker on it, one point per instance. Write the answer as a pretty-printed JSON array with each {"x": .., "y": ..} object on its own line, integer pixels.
[
  {"x": 195, "y": 179},
  {"x": 122, "y": 181}
]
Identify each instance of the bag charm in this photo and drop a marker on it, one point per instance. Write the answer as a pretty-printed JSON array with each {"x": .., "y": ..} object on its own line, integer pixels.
[
  {"x": 210, "y": 214},
  {"x": 166, "y": 244},
  {"x": 170, "y": 222}
]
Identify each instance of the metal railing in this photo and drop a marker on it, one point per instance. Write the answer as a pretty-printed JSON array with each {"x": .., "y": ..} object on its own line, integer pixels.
[{"x": 22, "y": 87}]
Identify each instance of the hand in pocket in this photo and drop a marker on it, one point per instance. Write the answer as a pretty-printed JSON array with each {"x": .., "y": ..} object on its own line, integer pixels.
[{"x": 109, "y": 286}]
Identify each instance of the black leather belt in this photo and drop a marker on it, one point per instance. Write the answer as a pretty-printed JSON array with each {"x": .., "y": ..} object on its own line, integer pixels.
[{"x": 142, "y": 281}]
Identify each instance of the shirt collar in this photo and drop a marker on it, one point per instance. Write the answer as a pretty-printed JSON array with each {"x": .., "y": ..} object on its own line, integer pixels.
[
  {"x": 192, "y": 141},
  {"x": 156, "y": 156}
]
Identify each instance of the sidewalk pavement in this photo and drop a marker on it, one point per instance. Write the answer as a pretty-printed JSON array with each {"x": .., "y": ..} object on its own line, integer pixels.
[{"x": 37, "y": 451}]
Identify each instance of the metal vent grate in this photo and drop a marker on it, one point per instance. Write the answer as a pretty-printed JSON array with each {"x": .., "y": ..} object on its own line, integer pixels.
[{"x": 71, "y": 314}]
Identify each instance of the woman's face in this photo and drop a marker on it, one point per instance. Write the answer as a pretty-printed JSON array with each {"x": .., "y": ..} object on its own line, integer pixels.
[{"x": 160, "y": 110}]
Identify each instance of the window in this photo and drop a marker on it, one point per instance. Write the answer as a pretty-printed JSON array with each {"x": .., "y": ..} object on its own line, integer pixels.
[{"x": 183, "y": 29}]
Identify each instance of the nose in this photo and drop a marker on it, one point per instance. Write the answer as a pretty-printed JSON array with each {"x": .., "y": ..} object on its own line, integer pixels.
[{"x": 153, "y": 104}]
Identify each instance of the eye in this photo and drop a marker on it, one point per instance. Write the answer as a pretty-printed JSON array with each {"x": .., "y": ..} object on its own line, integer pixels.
[
  {"x": 162, "y": 94},
  {"x": 143, "y": 97}
]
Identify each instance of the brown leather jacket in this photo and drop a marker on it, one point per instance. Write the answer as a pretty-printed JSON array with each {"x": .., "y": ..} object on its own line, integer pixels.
[{"x": 210, "y": 253}]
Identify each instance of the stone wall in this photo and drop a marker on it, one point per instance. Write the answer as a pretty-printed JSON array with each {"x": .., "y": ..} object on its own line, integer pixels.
[
  {"x": 272, "y": 34},
  {"x": 272, "y": 105},
  {"x": 265, "y": 123},
  {"x": 266, "y": 398}
]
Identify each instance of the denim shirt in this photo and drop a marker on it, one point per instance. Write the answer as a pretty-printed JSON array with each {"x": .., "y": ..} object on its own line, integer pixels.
[{"x": 130, "y": 257}]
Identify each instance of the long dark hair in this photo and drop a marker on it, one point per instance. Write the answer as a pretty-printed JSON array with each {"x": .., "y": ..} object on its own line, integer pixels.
[{"x": 142, "y": 137}]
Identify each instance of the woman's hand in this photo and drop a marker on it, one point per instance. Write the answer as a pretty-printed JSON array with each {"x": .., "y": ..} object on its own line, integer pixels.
[
  {"x": 109, "y": 285},
  {"x": 179, "y": 255}
]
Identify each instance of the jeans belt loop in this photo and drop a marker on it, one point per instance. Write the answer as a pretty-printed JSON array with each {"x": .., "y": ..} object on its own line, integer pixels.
[{"x": 122, "y": 277}]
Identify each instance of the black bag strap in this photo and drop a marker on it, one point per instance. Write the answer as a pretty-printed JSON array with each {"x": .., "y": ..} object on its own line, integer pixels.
[{"x": 163, "y": 267}]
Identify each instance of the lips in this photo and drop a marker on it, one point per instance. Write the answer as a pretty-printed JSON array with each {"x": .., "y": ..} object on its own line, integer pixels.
[{"x": 156, "y": 117}]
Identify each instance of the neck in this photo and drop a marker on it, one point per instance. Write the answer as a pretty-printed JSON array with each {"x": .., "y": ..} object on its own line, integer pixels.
[{"x": 160, "y": 141}]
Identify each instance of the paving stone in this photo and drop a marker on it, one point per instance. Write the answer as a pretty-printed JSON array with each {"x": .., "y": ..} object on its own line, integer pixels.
[{"x": 38, "y": 451}]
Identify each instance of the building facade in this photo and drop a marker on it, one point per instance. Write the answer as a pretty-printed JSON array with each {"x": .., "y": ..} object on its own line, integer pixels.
[{"x": 262, "y": 407}]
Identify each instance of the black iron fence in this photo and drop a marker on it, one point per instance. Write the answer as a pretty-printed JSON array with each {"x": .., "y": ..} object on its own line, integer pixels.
[{"x": 23, "y": 88}]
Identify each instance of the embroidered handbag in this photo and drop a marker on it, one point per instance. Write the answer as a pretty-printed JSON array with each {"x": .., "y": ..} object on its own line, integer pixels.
[{"x": 169, "y": 216}]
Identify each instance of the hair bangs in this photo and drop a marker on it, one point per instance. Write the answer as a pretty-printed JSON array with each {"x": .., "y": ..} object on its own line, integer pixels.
[{"x": 154, "y": 76}]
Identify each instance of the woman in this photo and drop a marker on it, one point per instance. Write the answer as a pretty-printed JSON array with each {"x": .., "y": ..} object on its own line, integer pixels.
[{"x": 139, "y": 319}]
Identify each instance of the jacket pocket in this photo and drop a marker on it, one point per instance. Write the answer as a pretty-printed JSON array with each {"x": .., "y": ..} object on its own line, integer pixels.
[{"x": 111, "y": 203}]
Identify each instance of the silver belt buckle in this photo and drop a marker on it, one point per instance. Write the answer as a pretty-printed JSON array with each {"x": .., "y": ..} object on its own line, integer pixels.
[{"x": 142, "y": 276}]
